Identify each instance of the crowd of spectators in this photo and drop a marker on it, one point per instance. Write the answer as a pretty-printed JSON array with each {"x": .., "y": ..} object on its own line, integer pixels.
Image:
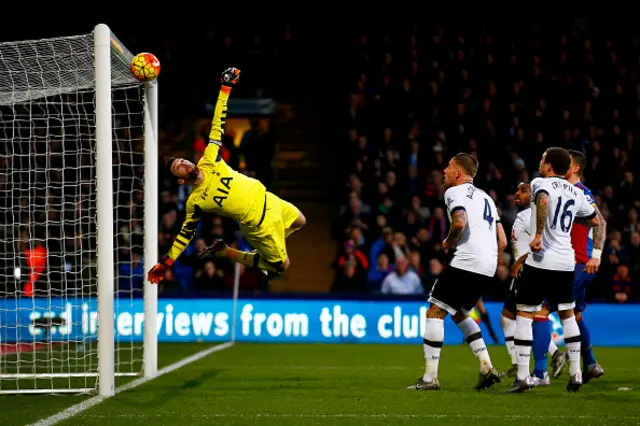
[
  {"x": 423, "y": 93},
  {"x": 420, "y": 94}
]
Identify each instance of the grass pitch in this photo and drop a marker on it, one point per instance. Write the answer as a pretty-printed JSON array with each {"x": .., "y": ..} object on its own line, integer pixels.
[{"x": 284, "y": 384}]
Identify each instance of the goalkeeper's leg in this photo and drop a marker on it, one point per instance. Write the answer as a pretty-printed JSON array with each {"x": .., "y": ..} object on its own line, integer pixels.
[
  {"x": 269, "y": 240},
  {"x": 251, "y": 259},
  {"x": 282, "y": 220}
]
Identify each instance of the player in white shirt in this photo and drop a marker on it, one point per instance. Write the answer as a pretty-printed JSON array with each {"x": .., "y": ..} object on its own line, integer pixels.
[
  {"x": 520, "y": 237},
  {"x": 548, "y": 271},
  {"x": 477, "y": 237}
]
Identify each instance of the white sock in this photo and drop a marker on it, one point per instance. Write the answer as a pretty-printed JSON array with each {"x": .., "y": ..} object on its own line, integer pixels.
[
  {"x": 509, "y": 329},
  {"x": 572, "y": 342},
  {"x": 432, "y": 340},
  {"x": 553, "y": 348},
  {"x": 523, "y": 342},
  {"x": 473, "y": 337}
]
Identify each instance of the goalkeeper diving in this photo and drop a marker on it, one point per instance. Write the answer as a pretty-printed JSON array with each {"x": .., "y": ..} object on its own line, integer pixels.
[{"x": 265, "y": 220}]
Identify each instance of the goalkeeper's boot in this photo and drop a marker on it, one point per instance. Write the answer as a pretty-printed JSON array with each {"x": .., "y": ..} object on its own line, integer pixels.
[
  {"x": 511, "y": 372},
  {"x": 520, "y": 386},
  {"x": 592, "y": 371},
  {"x": 558, "y": 361},
  {"x": 488, "y": 379},
  {"x": 575, "y": 382},
  {"x": 422, "y": 384},
  {"x": 218, "y": 246}
]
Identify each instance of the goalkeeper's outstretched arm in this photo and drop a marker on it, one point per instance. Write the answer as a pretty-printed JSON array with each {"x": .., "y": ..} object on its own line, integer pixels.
[
  {"x": 186, "y": 233},
  {"x": 181, "y": 242},
  {"x": 228, "y": 79}
]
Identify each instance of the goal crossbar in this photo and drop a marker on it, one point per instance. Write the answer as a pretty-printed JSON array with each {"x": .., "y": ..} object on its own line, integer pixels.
[{"x": 68, "y": 72}]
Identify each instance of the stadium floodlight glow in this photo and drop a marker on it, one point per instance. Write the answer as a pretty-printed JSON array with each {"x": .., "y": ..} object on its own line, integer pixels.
[{"x": 78, "y": 191}]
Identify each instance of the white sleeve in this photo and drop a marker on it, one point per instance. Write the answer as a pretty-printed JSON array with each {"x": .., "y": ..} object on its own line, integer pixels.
[
  {"x": 525, "y": 221},
  {"x": 454, "y": 200},
  {"x": 539, "y": 186},
  {"x": 585, "y": 208},
  {"x": 520, "y": 228},
  {"x": 514, "y": 237}
]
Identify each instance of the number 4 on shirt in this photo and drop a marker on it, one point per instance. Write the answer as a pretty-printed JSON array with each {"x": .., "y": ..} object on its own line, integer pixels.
[{"x": 487, "y": 215}]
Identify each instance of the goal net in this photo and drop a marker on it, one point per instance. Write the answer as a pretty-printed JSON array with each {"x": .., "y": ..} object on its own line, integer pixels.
[{"x": 72, "y": 203}]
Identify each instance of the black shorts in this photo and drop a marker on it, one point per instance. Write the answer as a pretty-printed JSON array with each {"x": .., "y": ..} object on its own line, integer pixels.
[
  {"x": 510, "y": 301},
  {"x": 536, "y": 284},
  {"x": 459, "y": 290}
]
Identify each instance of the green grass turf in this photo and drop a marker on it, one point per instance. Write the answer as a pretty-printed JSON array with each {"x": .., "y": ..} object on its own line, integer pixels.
[{"x": 259, "y": 384}]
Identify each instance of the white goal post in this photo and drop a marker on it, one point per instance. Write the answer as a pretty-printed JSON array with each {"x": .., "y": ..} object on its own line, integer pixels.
[{"x": 78, "y": 216}]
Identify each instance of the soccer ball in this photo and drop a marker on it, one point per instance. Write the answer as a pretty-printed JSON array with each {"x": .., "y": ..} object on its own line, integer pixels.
[{"x": 145, "y": 66}]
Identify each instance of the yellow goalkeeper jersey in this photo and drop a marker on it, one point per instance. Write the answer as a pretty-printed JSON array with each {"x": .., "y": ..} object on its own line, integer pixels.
[{"x": 224, "y": 191}]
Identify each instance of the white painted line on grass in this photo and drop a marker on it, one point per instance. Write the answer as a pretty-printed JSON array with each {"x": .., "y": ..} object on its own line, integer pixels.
[
  {"x": 213, "y": 416},
  {"x": 91, "y": 402}
]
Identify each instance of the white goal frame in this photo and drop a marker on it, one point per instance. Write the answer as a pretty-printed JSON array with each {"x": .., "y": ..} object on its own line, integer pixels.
[{"x": 104, "y": 42}]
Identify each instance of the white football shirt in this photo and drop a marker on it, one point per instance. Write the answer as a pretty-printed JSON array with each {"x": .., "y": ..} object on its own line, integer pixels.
[
  {"x": 521, "y": 234},
  {"x": 566, "y": 202},
  {"x": 477, "y": 250}
]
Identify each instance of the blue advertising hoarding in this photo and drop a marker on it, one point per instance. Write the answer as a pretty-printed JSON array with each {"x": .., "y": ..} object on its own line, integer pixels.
[{"x": 276, "y": 320}]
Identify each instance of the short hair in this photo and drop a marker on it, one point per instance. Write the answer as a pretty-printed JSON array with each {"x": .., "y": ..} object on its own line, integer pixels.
[
  {"x": 169, "y": 165},
  {"x": 559, "y": 159},
  {"x": 467, "y": 162},
  {"x": 526, "y": 185},
  {"x": 579, "y": 158}
]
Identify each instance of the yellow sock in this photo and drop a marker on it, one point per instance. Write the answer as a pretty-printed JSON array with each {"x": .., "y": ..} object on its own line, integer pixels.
[
  {"x": 243, "y": 257},
  {"x": 247, "y": 259}
]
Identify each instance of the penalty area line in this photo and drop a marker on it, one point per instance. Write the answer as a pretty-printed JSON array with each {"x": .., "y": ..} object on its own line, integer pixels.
[{"x": 91, "y": 402}]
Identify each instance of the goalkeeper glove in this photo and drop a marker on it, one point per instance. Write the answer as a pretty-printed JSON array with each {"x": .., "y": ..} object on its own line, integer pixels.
[
  {"x": 230, "y": 77},
  {"x": 156, "y": 274}
]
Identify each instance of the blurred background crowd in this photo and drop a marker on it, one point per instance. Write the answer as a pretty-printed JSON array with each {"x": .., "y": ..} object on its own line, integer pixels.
[
  {"x": 421, "y": 95},
  {"x": 415, "y": 95}
]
